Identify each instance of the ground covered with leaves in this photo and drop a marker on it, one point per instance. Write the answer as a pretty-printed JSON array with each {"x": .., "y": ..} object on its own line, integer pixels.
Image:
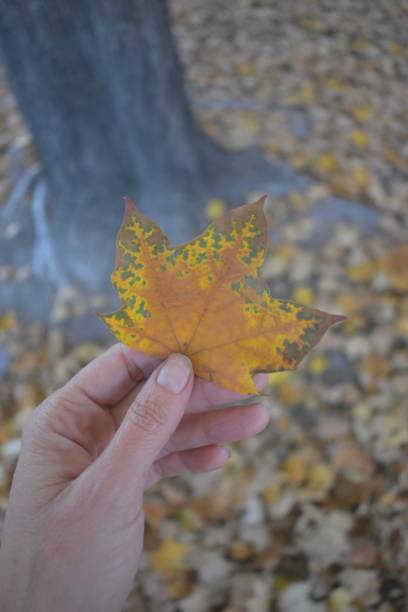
[{"x": 311, "y": 515}]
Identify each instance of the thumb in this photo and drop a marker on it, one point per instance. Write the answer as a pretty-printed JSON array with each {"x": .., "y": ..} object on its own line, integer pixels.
[{"x": 152, "y": 417}]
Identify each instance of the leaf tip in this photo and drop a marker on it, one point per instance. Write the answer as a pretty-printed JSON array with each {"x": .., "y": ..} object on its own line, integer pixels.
[
  {"x": 334, "y": 319},
  {"x": 261, "y": 200},
  {"x": 130, "y": 207}
]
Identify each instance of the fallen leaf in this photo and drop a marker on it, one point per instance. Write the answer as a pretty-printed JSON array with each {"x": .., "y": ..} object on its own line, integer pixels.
[
  {"x": 170, "y": 558},
  {"x": 361, "y": 177},
  {"x": 340, "y": 600},
  {"x": 206, "y": 299},
  {"x": 304, "y": 95},
  {"x": 362, "y": 113},
  {"x": 318, "y": 365},
  {"x": 320, "y": 478},
  {"x": 392, "y": 265},
  {"x": 327, "y": 162},
  {"x": 295, "y": 468},
  {"x": 336, "y": 84},
  {"x": 214, "y": 209},
  {"x": 314, "y": 25},
  {"x": 360, "y": 138},
  {"x": 8, "y": 321},
  {"x": 246, "y": 69},
  {"x": 240, "y": 551},
  {"x": 304, "y": 295},
  {"x": 251, "y": 123}
]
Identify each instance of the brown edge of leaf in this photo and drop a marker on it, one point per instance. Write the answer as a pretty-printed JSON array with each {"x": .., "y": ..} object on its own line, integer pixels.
[{"x": 221, "y": 223}]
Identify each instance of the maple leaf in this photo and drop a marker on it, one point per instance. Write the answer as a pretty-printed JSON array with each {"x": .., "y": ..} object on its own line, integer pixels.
[{"x": 206, "y": 299}]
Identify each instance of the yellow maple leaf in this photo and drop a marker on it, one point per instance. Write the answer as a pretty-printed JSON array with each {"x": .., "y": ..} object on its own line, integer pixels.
[{"x": 206, "y": 299}]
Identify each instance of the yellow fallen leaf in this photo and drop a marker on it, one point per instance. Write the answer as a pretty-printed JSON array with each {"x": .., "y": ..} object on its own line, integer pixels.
[
  {"x": 187, "y": 519},
  {"x": 240, "y": 551},
  {"x": 307, "y": 93},
  {"x": 271, "y": 493},
  {"x": 251, "y": 123},
  {"x": 318, "y": 365},
  {"x": 314, "y": 25},
  {"x": 327, "y": 162},
  {"x": 401, "y": 327},
  {"x": 181, "y": 586},
  {"x": 362, "y": 273},
  {"x": 392, "y": 265},
  {"x": 8, "y": 321},
  {"x": 246, "y": 69},
  {"x": 336, "y": 84},
  {"x": 287, "y": 252},
  {"x": 320, "y": 478},
  {"x": 297, "y": 199},
  {"x": 361, "y": 177},
  {"x": 359, "y": 138},
  {"x": 170, "y": 558},
  {"x": 395, "y": 158},
  {"x": 304, "y": 295},
  {"x": 281, "y": 583},
  {"x": 211, "y": 127},
  {"x": 360, "y": 45},
  {"x": 340, "y": 600},
  {"x": 395, "y": 48},
  {"x": 289, "y": 395},
  {"x": 300, "y": 159},
  {"x": 215, "y": 208},
  {"x": 362, "y": 113},
  {"x": 295, "y": 469},
  {"x": 349, "y": 302}
]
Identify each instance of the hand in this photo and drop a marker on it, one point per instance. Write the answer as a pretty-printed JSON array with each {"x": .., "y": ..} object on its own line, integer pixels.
[{"x": 73, "y": 532}]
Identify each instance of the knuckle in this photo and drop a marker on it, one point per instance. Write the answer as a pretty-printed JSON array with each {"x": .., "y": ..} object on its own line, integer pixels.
[
  {"x": 34, "y": 424},
  {"x": 28, "y": 427},
  {"x": 148, "y": 415}
]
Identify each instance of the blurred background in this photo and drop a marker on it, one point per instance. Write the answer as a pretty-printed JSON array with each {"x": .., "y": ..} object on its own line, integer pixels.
[{"x": 306, "y": 101}]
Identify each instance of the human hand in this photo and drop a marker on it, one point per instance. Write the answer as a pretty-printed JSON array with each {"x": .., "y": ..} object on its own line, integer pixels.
[{"x": 73, "y": 532}]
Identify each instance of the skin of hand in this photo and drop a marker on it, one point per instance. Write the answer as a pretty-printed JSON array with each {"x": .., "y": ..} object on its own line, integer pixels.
[{"x": 73, "y": 532}]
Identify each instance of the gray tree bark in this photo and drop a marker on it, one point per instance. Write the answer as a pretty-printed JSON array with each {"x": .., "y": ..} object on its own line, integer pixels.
[{"x": 101, "y": 87}]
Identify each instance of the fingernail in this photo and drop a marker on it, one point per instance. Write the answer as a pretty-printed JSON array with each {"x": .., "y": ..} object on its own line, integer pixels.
[
  {"x": 227, "y": 452},
  {"x": 174, "y": 373}
]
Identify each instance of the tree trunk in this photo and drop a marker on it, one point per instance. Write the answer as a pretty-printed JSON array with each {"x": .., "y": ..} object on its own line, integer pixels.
[{"x": 101, "y": 87}]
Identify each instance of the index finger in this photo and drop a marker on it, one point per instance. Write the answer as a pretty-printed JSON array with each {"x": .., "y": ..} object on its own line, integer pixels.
[
  {"x": 206, "y": 394},
  {"x": 110, "y": 377}
]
